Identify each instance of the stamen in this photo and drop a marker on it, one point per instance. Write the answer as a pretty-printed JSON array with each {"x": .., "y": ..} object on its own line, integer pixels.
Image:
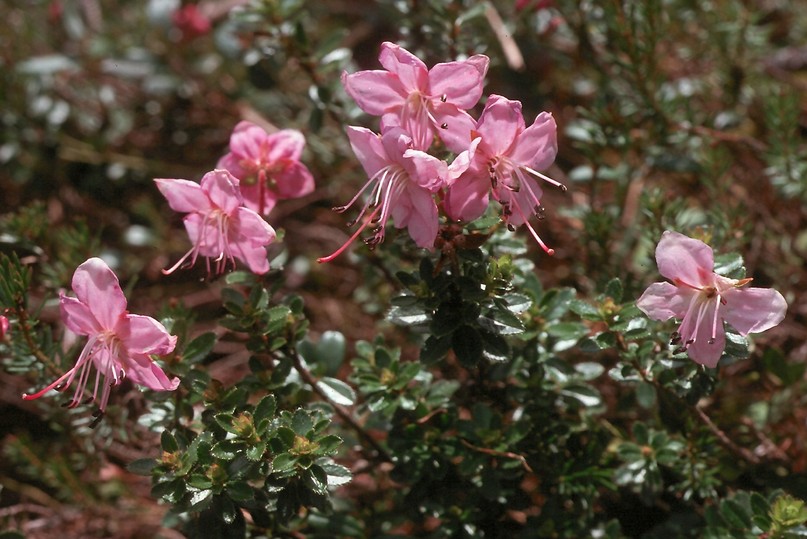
[
  {"x": 351, "y": 240},
  {"x": 545, "y": 178},
  {"x": 714, "y": 320},
  {"x": 535, "y": 235}
]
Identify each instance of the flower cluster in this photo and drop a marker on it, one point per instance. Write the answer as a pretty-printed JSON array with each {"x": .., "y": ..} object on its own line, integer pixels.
[
  {"x": 495, "y": 156},
  {"x": 224, "y": 224},
  {"x": 224, "y": 211}
]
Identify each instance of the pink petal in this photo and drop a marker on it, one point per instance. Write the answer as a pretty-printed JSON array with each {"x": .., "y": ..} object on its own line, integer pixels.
[
  {"x": 425, "y": 170},
  {"x": 249, "y": 236},
  {"x": 150, "y": 375},
  {"x": 662, "y": 301},
  {"x": 499, "y": 124},
  {"x": 249, "y": 227},
  {"x": 295, "y": 180},
  {"x": 461, "y": 163},
  {"x": 459, "y": 127},
  {"x": 684, "y": 259},
  {"x": 537, "y": 146},
  {"x": 97, "y": 287},
  {"x": 247, "y": 140},
  {"x": 183, "y": 196},
  {"x": 410, "y": 69},
  {"x": 753, "y": 310},
  {"x": 222, "y": 189},
  {"x": 285, "y": 144},
  {"x": 145, "y": 335},
  {"x": 78, "y": 317},
  {"x": 416, "y": 210},
  {"x": 468, "y": 196},
  {"x": 252, "y": 194},
  {"x": 480, "y": 62},
  {"x": 375, "y": 92},
  {"x": 232, "y": 163},
  {"x": 368, "y": 149},
  {"x": 204, "y": 234},
  {"x": 702, "y": 351},
  {"x": 459, "y": 82}
]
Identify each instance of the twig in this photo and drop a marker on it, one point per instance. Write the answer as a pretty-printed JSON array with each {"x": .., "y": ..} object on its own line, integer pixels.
[
  {"x": 509, "y": 46},
  {"x": 494, "y": 453},
  {"x": 340, "y": 410},
  {"x": 725, "y": 440}
]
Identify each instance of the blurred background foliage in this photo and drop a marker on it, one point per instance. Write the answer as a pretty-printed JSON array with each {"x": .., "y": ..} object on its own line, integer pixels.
[{"x": 566, "y": 414}]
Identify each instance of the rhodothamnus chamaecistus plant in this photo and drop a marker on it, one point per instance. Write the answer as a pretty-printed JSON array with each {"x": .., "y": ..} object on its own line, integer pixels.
[
  {"x": 267, "y": 165},
  {"x": 119, "y": 345},
  {"x": 218, "y": 224},
  {"x": 422, "y": 101},
  {"x": 703, "y": 300},
  {"x": 506, "y": 162}
]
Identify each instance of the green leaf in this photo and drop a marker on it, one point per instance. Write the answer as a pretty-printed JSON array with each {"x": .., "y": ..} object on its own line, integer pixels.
[
  {"x": 142, "y": 466},
  {"x": 301, "y": 422},
  {"x": 265, "y": 410},
  {"x": 435, "y": 349},
  {"x": 316, "y": 479},
  {"x": 467, "y": 345},
  {"x": 337, "y": 391},
  {"x": 730, "y": 265},
  {"x": 735, "y": 514},
  {"x": 585, "y": 310},
  {"x": 328, "y": 444},
  {"x": 255, "y": 452},
  {"x": 283, "y": 463},
  {"x": 227, "y": 449},
  {"x": 337, "y": 474},
  {"x": 168, "y": 442},
  {"x": 567, "y": 331},
  {"x": 239, "y": 491},
  {"x": 646, "y": 395},
  {"x": 614, "y": 289},
  {"x": 588, "y": 396},
  {"x": 199, "y": 348}
]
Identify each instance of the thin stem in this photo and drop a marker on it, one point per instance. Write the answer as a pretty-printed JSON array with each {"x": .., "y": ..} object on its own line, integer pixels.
[
  {"x": 340, "y": 410},
  {"x": 724, "y": 440}
]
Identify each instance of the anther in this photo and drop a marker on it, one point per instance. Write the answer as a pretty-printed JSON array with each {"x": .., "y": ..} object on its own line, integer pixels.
[
  {"x": 444, "y": 125},
  {"x": 443, "y": 98}
]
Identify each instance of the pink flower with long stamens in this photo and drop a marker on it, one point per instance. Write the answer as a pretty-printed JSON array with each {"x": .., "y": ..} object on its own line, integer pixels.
[
  {"x": 703, "y": 300},
  {"x": 217, "y": 223},
  {"x": 506, "y": 163},
  {"x": 420, "y": 100},
  {"x": 119, "y": 345},
  {"x": 267, "y": 165},
  {"x": 402, "y": 181}
]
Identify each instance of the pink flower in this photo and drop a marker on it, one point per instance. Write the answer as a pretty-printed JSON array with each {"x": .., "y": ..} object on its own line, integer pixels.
[
  {"x": 506, "y": 162},
  {"x": 119, "y": 343},
  {"x": 4, "y": 326},
  {"x": 191, "y": 21},
  {"x": 421, "y": 100},
  {"x": 535, "y": 5},
  {"x": 268, "y": 166},
  {"x": 703, "y": 300},
  {"x": 217, "y": 223},
  {"x": 402, "y": 179}
]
